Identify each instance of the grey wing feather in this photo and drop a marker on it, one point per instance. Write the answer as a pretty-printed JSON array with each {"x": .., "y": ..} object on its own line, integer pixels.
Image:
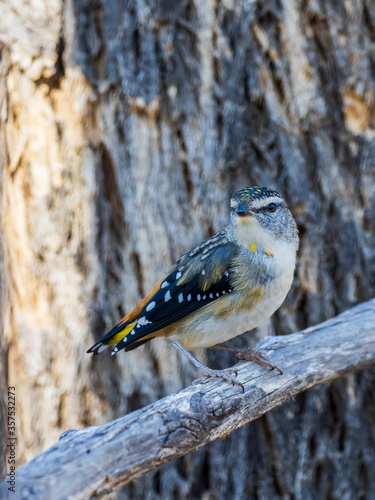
[{"x": 209, "y": 261}]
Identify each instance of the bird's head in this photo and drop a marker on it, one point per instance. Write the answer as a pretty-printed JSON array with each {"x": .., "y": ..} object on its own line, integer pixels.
[{"x": 260, "y": 217}]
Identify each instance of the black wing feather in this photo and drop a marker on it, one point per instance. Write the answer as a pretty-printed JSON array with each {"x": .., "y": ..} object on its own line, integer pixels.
[{"x": 200, "y": 277}]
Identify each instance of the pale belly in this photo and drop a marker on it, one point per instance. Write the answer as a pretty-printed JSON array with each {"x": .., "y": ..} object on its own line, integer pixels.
[{"x": 209, "y": 331}]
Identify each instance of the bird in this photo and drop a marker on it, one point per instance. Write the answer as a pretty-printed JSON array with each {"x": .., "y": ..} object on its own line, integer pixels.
[{"x": 226, "y": 285}]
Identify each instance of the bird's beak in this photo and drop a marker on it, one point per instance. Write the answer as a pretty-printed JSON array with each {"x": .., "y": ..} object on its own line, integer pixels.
[{"x": 243, "y": 211}]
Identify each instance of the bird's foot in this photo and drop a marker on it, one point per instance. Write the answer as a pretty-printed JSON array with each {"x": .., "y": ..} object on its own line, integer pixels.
[
  {"x": 226, "y": 375},
  {"x": 249, "y": 354},
  {"x": 208, "y": 372}
]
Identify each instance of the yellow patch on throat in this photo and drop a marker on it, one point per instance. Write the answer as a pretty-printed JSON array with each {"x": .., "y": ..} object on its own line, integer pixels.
[
  {"x": 246, "y": 221},
  {"x": 269, "y": 252},
  {"x": 253, "y": 247}
]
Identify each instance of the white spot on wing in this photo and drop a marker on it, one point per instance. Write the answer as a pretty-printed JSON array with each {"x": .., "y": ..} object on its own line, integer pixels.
[
  {"x": 114, "y": 351},
  {"x": 178, "y": 276},
  {"x": 143, "y": 322},
  {"x": 102, "y": 348},
  {"x": 198, "y": 297},
  {"x": 132, "y": 332},
  {"x": 226, "y": 273},
  {"x": 150, "y": 306},
  {"x": 217, "y": 295},
  {"x": 204, "y": 297},
  {"x": 167, "y": 296},
  {"x": 203, "y": 272},
  {"x": 189, "y": 297},
  {"x": 180, "y": 298},
  {"x": 164, "y": 284},
  {"x": 211, "y": 296}
]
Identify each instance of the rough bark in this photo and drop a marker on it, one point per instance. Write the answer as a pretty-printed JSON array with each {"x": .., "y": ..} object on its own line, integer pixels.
[
  {"x": 126, "y": 126},
  {"x": 188, "y": 420}
]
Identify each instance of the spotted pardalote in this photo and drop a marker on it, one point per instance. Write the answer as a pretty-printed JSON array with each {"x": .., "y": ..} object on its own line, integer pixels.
[{"x": 226, "y": 285}]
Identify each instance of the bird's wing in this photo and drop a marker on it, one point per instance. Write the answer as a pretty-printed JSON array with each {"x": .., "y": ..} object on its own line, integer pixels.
[{"x": 199, "y": 277}]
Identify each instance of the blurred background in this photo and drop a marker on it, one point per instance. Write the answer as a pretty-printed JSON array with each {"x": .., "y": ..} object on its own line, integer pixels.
[{"x": 125, "y": 127}]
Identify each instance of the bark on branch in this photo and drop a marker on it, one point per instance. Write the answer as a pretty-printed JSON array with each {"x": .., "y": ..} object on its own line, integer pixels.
[{"x": 91, "y": 462}]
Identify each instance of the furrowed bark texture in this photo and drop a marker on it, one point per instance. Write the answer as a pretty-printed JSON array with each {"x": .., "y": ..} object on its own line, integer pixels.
[
  {"x": 125, "y": 128},
  {"x": 185, "y": 421}
]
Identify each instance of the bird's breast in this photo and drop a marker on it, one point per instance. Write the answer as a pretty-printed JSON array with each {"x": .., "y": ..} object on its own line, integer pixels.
[
  {"x": 222, "y": 321},
  {"x": 243, "y": 310}
]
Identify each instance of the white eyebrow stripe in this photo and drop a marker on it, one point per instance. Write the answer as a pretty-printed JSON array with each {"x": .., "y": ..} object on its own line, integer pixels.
[{"x": 263, "y": 202}]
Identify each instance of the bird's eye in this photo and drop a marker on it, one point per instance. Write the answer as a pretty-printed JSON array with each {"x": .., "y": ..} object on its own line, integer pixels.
[{"x": 271, "y": 207}]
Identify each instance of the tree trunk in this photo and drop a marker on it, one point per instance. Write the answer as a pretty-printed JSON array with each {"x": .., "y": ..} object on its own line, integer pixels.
[{"x": 125, "y": 128}]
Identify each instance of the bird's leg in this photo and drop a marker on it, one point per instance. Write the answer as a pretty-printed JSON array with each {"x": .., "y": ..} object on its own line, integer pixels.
[
  {"x": 208, "y": 372},
  {"x": 249, "y": 354}
]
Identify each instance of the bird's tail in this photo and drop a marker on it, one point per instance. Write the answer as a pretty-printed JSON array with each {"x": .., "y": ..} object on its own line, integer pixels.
[{"x": 113, "y": 337}]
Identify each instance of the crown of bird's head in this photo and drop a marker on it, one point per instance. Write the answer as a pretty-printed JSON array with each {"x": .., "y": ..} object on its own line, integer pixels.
[{"x": 259, "y": 215}]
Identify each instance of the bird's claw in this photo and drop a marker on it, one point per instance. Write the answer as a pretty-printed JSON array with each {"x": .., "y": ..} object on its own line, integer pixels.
[
  {"x": 249, "y": 354},
  {"x": 223, "y": 374}
]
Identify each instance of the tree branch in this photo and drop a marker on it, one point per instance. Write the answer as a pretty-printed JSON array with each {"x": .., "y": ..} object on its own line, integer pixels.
[{"x": 91, "y": 462}]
